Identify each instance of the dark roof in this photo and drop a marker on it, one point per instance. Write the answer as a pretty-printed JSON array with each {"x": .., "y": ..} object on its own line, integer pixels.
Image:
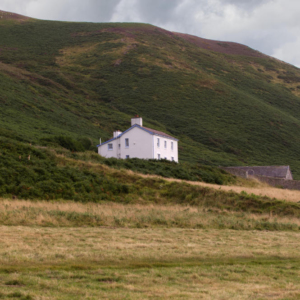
[
  {"x": 149, "y": 130},
  {"x": 270, "y": 171}
]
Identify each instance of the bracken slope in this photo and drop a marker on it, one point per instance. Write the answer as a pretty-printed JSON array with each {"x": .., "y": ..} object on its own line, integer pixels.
[{"x": 227, "y": 103}]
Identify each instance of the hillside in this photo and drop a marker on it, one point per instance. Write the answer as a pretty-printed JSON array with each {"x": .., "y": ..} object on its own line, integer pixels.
[{"x": 228, "y": 104}]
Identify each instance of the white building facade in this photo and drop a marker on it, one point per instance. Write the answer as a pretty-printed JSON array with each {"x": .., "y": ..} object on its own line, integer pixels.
[{"x": 140, "y": 142}]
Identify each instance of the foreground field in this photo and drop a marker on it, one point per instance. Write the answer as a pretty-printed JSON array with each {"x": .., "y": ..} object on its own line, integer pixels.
[
  {"x": 69, "y": 250},
  {"x": 155, "y": 263}
]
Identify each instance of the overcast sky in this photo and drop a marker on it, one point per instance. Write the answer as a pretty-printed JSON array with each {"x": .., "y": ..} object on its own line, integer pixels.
[{"x": 270, "y": 26}]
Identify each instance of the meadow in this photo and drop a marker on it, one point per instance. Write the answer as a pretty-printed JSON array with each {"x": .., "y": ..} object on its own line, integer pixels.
[{"x": 53, "y": 257}]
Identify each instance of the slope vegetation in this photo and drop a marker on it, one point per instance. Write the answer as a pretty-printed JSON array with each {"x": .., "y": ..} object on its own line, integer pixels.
[{"x": 228, "y": 104}]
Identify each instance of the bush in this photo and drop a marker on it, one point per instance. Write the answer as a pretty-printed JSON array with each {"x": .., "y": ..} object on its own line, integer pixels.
[
  {"x": 169, "y": 169},
  {"x": 69, "y": 143},
  {"x": 41, "y": 177},
  {"x": 66, "y": 142}
]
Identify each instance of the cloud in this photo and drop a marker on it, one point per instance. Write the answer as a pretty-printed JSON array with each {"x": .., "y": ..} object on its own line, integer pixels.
[
  {"x": 16, "y": 6},
  {"x": 289, "y": 52},
  {"x": 64, "y": 10},
  {"x": 270, "y": 26},
  {"x": 246, "y": 4},
  {"x": 126, "y": 11}
]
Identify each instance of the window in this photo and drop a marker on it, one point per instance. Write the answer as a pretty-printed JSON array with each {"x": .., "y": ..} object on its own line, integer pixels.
[
  {"x": 158, "y": 142},
  {"x": 126, "y": 143},
  {"x": 165, "y": 144},
  {"x": 127, "y": 156},
  {"x": 110, "y": 146},
  {"x": 171, "y": 145},
  {"x": 158, "y": 156},
  {"x": 119, "y": 146},
  {"x": 172, "y": 158}
]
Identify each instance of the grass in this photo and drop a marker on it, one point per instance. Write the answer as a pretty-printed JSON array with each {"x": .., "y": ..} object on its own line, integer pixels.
[{"x": 63, "y": 263}]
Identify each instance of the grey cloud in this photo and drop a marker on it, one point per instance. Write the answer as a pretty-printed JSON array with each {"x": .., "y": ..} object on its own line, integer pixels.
[
  {"x": 65, "y": 10},
  {"x": 246, "y": 4},
  {"x": 157, "y": 11},
  {"x": 16, "y": 6},
  {"x": 92, "y": 10}
]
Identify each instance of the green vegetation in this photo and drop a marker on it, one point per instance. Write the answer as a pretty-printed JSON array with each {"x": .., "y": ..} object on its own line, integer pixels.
[
  {"x": 32, "y": 172},
  {"x": 65, "y": 175},
  {"x": 83, "y": 80},
  {"x": 164, "y": 168}
]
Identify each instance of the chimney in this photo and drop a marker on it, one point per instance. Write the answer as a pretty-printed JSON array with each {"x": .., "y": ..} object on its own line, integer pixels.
[
  {"x": 137, "y": 121},
  {"x": 117, "y": 133}
]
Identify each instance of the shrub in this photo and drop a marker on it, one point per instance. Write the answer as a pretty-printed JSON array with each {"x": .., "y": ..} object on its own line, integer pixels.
[{"x": 69, "y": 143}]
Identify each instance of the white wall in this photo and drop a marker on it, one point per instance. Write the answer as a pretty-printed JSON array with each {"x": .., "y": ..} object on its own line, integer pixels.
[
  {"x": 140, "y": 144},
  {"x": 103, "y": 150},
  {"x": 165, "y": 152}
]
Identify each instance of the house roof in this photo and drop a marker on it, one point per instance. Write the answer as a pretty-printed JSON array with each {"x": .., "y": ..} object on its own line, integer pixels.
[
  {"x": 156, "y": 132},
  {"x": 270, "y": 171},
  {"x": 149, "y": 130}
]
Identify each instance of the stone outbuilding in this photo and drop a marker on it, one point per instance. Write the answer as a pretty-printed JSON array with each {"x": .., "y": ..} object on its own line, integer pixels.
[{"x": 281, "y": 172}]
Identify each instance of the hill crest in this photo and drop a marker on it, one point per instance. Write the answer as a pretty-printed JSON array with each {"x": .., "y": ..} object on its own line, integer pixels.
[
  {"x": 230, "y": 48},
  {"x": 5, "y": 15}
]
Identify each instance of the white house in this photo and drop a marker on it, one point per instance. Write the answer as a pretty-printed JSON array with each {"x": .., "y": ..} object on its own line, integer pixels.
[{"x": 140, "y": 142}]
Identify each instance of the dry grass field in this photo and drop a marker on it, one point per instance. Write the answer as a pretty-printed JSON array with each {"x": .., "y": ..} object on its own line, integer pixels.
[
  {"x": 160, "y": 263},
  {"x": 70, "y": 214},
  {"x": 68, "y": 250}
]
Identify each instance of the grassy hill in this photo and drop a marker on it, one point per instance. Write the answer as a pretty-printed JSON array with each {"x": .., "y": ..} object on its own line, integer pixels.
[
  {"x": 77, "y": 225},
  {"x": 228, "y": 104}
]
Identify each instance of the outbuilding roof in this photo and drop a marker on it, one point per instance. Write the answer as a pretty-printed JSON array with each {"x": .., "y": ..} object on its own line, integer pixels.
[{"x": 149, "y": 130}]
